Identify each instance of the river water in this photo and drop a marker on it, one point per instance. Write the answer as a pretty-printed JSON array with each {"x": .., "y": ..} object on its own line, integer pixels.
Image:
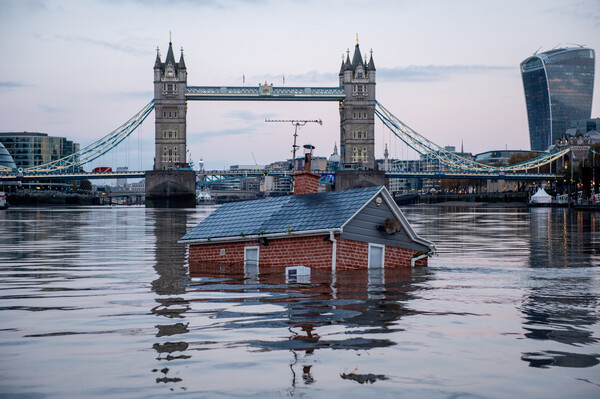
[{"x": 98, "y": 302}]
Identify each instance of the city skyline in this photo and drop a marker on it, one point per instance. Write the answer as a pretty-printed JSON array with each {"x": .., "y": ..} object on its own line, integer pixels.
[{"x": 450, "y": 71}]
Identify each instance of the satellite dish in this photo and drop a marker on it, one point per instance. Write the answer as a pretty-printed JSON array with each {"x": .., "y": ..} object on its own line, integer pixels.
[{"x": 392, "y": 226}]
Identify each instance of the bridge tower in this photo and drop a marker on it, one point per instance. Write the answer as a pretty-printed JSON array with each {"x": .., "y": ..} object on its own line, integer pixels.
[
  {"x": 171, "y": 183},
  {"x": 357, "y": 111},
  {"x": 170, "y": 84}
]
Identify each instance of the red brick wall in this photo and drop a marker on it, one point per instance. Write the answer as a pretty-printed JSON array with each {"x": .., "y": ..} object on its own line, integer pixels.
[
  {"x": 313, "y": 252},
  {"x": 355, "y": 255},
  {"x": 306, "y": 183}
]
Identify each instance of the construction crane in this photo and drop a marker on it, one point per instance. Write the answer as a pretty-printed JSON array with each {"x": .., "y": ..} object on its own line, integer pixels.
[{"x": 298, "y": 123}]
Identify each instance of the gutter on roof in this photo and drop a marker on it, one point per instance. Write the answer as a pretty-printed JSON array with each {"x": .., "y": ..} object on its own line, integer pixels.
[{"x": 251, "y": 237}]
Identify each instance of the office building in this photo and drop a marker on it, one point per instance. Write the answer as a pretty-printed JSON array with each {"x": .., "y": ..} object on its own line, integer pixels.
[
  {"x": 558, "y": 88},
  {"x": 6, "y": 159},
  {"x": 30, "y": 149}
]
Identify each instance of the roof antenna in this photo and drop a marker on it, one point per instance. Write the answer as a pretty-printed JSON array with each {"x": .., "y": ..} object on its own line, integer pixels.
[
  {"x": 536, "y": 51},
  {"x": 170, "y": 37}
]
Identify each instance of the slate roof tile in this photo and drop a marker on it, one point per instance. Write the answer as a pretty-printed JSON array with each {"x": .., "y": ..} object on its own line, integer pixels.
[{"x": 278, "y": 215}]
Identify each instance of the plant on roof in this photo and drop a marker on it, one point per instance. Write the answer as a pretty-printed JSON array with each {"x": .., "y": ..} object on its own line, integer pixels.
[
  {"x": 242, "y": 234},
  {"x": 262, "y": 233},
  {"x": 429, "y": 254},
  {"x": 289, "y": 229}
]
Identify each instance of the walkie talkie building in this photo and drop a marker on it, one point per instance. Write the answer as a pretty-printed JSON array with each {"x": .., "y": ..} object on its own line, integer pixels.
[{"x": 558, "y": 89}]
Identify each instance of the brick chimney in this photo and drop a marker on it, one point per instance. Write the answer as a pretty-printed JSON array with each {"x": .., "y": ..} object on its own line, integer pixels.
[{"x": 306, "y": 182}]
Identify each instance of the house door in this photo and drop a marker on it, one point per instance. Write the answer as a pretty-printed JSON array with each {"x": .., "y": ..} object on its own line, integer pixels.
[{"x": 251, "y": 263}]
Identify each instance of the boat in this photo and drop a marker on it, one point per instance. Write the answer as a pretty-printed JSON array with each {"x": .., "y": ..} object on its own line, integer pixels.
[
  {"x": 204, "y": 198},
  {"x": 540, "y": 198},
  {"x": 3, "y": 200}
]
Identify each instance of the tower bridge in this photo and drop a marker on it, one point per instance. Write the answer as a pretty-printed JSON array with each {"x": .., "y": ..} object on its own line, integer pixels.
[
  {"x": 172, "y": 182},
  {"x": 355, "y": 93}
]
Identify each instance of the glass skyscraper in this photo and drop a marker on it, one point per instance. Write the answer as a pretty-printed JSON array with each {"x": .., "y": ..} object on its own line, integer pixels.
[
  {"x": 32, "y": 149},
  {"x": 558, "y": 89}
]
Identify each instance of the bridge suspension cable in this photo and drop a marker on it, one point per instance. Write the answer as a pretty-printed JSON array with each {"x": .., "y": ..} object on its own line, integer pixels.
[
  {"x": 97, "y": 148},
  {"x": 449, "y": 159}
]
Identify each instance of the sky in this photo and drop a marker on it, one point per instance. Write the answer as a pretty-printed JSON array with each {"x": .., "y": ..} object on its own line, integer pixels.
[{"x": 449, "y": 69}]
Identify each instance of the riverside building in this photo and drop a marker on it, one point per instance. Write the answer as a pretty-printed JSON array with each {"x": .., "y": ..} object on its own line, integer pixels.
[
  {"x": 29, "y": 149},
  {"x": 558, "y": 88}
]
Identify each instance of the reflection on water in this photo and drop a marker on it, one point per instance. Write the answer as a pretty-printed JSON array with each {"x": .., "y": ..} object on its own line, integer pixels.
[
  {"x": 562, "y": 309},
  {"x": 170, "y": 286},
  {"x": 103, "y": 296}
]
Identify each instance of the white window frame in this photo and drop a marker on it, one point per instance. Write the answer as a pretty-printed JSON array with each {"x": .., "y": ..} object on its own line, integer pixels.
[
  {"x": 371, "y": 245},
  {"x": 246, "y": 271},
  {"x": 257, "y": 248}
]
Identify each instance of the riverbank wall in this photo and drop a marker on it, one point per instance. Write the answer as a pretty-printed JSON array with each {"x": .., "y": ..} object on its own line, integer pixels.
[
  {"x": 519, "y": 197},
  {"x": 51, "y": 199}
]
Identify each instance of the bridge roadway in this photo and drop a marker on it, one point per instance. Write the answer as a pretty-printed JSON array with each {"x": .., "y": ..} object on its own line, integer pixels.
[
  {"x": 264, "y": 93},
  {"x": 219, "y": 175}
]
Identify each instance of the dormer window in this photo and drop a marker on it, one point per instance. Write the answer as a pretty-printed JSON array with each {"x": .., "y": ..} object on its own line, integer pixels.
[
  {"x": 359, "y": 75},
  {"x": 170, "y": 74}
]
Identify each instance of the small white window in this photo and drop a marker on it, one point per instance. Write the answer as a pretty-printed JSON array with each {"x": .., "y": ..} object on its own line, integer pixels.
[
  {"x": 376, "y": 256},
  {"x": 251, "y": 256},
  {"x": 376, "y": 272}
]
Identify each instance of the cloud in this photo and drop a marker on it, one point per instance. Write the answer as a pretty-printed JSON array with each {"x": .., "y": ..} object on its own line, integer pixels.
[
  {"x": 12, "y": 85},
  {"x": 197, "y": 137},
  {"x": 434, "y": 73},
  {"x": 146, "y": 94},
  {"x": 248, "y": 116},
  {"x": 123, "y": 48},
  {"x": 411, "y": 73},
  {"x": 216, "y": 4},
  {"x": 587, "y": 11},
  {"x": 50, "y": 109},
  {"x": 296, "y": 79}
]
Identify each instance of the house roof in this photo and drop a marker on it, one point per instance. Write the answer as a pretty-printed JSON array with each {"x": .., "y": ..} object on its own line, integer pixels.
[{"x": 295, "y": 213}]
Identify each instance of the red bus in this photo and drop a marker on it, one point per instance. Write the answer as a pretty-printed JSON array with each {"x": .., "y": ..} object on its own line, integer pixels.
[{"x": 102, "y": 169}]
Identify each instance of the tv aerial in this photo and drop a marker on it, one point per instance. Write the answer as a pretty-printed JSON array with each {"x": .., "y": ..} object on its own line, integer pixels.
[{"x": 298, "y": 123}]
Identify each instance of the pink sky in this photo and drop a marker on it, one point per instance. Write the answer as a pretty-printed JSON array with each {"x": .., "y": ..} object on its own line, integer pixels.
[{"x": 450, "y": 70}]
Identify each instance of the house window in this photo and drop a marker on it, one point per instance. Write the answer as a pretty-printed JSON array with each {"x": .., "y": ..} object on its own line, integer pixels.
[
  {"x": 376, "y": 272},
  {"x": 251, "y": 263},
  {"x": 376, "y": 256}
]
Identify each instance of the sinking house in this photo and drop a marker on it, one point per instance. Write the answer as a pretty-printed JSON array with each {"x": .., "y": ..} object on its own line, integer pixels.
[{"x": 337, "y": 230}]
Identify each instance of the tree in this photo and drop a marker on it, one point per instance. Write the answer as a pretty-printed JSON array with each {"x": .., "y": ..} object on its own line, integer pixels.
[
  {"x": 85, "y": 185},
  {"x": 522, "y": 157}
]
